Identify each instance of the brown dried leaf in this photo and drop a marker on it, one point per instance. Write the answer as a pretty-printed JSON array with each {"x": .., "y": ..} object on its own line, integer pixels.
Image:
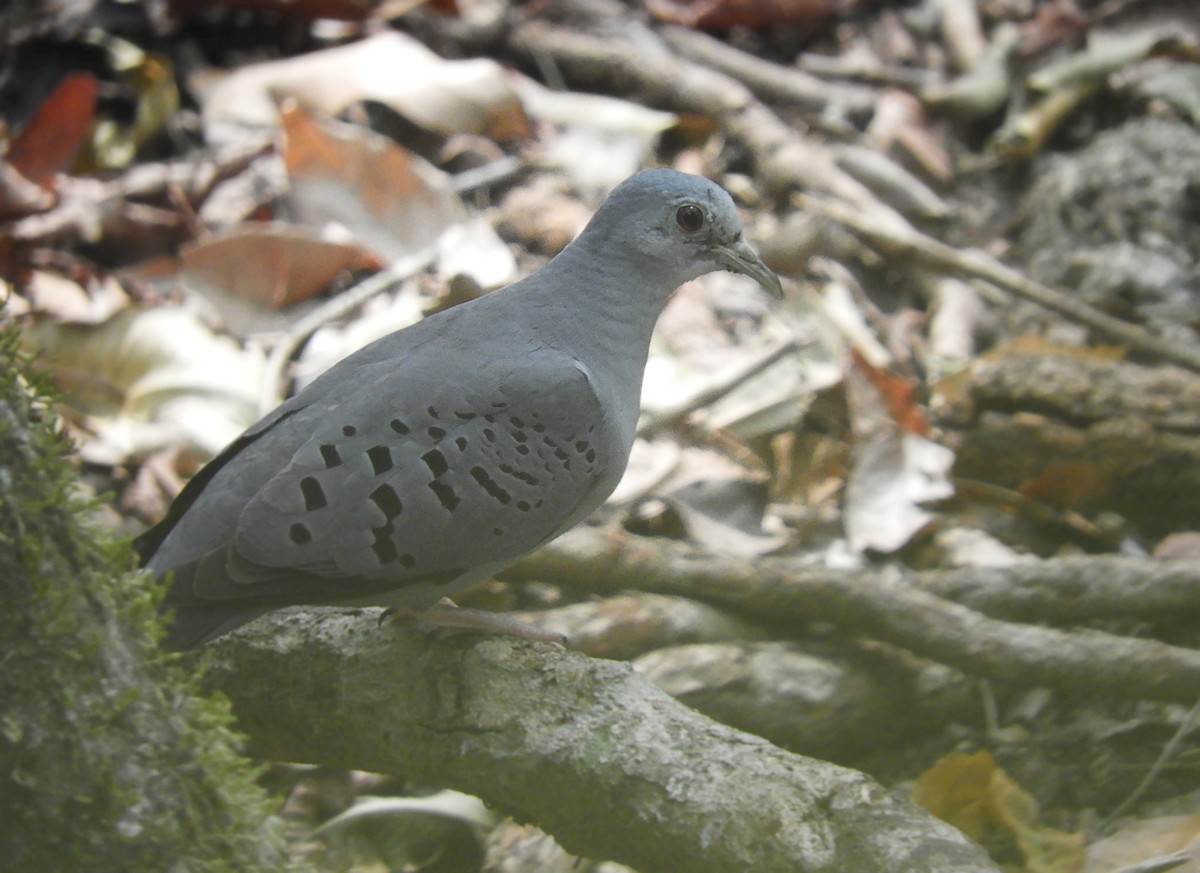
[
  {"x": 973, "y": 794},
  {"x": 272, "y": 265},
  {"x": 387, "y": 198},
  {"x": 56, "y": 133}
]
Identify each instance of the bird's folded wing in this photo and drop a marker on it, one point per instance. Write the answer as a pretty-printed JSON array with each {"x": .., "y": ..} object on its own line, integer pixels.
[{"x": 385, "y": 491}]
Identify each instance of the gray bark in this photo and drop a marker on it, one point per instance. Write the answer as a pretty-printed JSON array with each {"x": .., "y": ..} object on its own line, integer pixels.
[{"x": 590, "y": 750}]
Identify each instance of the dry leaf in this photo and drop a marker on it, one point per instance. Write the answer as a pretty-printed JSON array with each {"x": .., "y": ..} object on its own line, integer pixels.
[
  {"x": 385, "y": 197},
  {"x": 725, "y": 516},
  {"x": 1141, "y": 841},
  {"x": 973, "y": 794},
  {"x": 888, "y": 391},
  {"x": 472, "y": 96},
  {"x": 602, "y": 141},
  {"x": 152, "y": 378},
  {"x": 389, "y": 199},
  {"x": 267, "y": 265},
  {"x": 1066, "y": 484},
  {"x": 380, "y": 316},
  {"x": 57, "y": 132},
  {"x": 892, "y": 476},
  {"x": 67, "y": 300},
  {"x": 650, "y": 464},
  {"x": 896, "y": 469}
]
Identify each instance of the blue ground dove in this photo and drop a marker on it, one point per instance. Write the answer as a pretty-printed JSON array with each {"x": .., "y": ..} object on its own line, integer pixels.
[{"x": 441, "y": 453}]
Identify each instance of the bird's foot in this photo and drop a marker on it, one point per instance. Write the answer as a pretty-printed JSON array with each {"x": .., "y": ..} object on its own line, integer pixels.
[{"x": 446, "y": 616}]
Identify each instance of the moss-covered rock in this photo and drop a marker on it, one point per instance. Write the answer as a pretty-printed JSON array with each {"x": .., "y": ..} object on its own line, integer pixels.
[{"x": 109, "y": 757}]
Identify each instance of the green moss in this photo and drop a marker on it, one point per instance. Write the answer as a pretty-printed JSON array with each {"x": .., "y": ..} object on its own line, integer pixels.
[{"x": 110, "y": 757}]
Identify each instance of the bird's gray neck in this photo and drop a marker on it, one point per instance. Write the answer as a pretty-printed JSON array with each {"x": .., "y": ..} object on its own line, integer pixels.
[{"x": 610, "y": 312}]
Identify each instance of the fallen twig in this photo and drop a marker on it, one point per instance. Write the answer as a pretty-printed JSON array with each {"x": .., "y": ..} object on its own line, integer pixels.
[
  {"x": 880, "y": 605},
  {"x": 901, "y": 241},
  {"x": 771, "y": 81},
  {"x": 89, "y": 207}
]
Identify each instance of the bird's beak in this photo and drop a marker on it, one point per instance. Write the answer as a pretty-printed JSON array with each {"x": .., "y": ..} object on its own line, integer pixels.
[{"x": 740, "y": 258}]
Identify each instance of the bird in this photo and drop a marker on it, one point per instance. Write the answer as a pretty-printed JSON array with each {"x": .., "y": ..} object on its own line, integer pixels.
[{"x": 439, "y": 454}]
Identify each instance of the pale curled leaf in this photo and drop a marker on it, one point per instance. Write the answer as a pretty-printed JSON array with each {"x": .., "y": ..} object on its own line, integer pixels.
[
  {"x": 472, "y": 96},
  {"x": 1146, "y": 839},
  {"x": 388, "y": 199},
  {"x": 168, "y": 378},
  {"x": 66, "y": 300},
  {"x": 725, "y": 516},
  {"x": 891, "y": 479},
  {"x": 602, "y": 139},
  {"x": 447, "y": 803},
  {"x": 413, "y": 833}
]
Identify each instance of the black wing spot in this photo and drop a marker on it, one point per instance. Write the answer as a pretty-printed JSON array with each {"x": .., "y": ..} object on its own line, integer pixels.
[
  {"x": 300, "y": 534},
  {"x": 523, "y": 505},
  {"x": 436, "y": 433},
  {"x": 314, "y": 496},
  {"x": 383, "y": 547},
  {"x": 490, "y": 485},
  {"x": 500, "y": 404},
  {"x": 489, "y": 434},
  {"x": 349, "y": 430},
  {"x": 515, "y": 421},
  {"x": 527, "y": 478},
  {"x": 445, "y": 494},
  {"x": 399, "y": 427},
  {"x": 520, "y": 436},
  {"x": 539, "y": 428},
  {"x": 461, "y": 442},
  {"x": 433, "y": 413},
  {"x": 329, "y": 454},
  {"x": 522, "y": 449},
  {"x": 464, "y": 416},
  {"x": 381, "y": 459},
  {"x": 561, "y": 453},
  {"x": 386, "y": 499},
  {"x": 581, "y": 446},
  {"x": 407, "y": 561},
  {"x": 490, "y": 419},
  {"x": 436, "y": 462},
  {"x": 590, "y": 457},
  {"x": 498, "y": 531}
]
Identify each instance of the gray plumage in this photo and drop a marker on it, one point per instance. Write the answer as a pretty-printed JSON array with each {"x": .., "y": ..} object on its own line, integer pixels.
[{"x": 441, "y": 453}]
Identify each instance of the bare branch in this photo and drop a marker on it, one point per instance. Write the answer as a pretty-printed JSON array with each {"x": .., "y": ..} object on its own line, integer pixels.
[
  {"x": 588, "y": 749},
  {"x": 879, "y": 605}
]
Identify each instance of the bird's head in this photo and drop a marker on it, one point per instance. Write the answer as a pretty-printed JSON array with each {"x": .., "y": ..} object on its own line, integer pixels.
[{"x": 686, "y": 224}]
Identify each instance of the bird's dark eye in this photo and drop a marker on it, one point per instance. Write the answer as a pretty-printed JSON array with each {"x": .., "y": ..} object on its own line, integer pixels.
[{"x": 690, "y": 217}]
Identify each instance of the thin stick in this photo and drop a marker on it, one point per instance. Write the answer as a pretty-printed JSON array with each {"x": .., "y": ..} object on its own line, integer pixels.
[{"x": 913, "y": 243}]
